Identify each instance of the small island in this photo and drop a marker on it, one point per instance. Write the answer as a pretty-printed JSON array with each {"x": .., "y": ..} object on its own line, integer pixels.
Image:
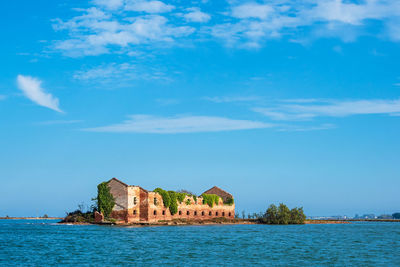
[{"x": 121, "y": 204}]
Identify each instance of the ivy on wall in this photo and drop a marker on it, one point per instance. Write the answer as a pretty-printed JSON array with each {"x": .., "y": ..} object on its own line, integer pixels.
[
  {"x": 105, "y": 200},
  {"x": 171, "y": 198},
  {"x": 210, "y": 199}
]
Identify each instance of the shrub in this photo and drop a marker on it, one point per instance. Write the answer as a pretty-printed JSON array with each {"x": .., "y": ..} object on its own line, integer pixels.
[
  {"x": 105, "y": 200},
  {"x": 271, "y": 215},
  {"x": 282, "y": 215},
  {"x": 297, "y": 216},
  {"x": 188, "y": 202}
]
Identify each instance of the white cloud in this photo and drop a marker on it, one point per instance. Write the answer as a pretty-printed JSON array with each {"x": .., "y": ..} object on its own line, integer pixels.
[
  {"x": 110, "y": 26},
  {"x": 196, "y": 15},
  {"x": 98, "y": 32},
  {"x": 323, "y": 18},
  {"x": 109, "y": 4},
  {"x": 179, "y": 124},
  {"x": 252, "y": 10},
  {"x": 31, "y": 87},
  {"x": 333, "y": 108},
  {"x": 148, "y": 6}
]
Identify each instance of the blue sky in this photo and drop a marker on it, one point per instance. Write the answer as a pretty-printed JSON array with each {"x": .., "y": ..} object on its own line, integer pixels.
[{"x": 274, "y": 101}]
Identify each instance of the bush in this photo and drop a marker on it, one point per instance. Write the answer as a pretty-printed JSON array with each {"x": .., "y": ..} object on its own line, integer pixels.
[
  {"x": 282, "y": 215},
  {"x": 105, "y": 200},
  {"x": 78, "y": 216},
  {"x": 188, "y": 202}
]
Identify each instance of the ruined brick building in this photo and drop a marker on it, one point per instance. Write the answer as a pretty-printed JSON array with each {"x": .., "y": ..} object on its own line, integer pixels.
[{"x": 135, "y": 204}]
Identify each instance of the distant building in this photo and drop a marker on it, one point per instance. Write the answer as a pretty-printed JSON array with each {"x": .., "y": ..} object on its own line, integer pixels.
[{"x": 135, "y": 204}]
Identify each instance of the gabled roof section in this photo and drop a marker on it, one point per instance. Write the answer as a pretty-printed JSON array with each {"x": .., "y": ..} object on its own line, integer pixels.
[
  {"x": 219, "y": 192},
  {"x": 115, "y": 179}
]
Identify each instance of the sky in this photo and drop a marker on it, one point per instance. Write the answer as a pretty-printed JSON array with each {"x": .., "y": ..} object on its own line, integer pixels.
[{"x": 274, "y": 101}]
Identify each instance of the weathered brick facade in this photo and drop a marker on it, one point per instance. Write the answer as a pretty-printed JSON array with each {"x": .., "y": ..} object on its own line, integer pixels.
[{"x": 135, "y": 204}]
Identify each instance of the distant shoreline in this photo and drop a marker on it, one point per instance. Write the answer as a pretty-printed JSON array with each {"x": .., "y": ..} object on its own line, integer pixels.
[{"x": 31, "y": 218}]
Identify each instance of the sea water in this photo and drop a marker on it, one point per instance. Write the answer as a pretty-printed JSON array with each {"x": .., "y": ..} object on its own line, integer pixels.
[{"x": 42, "y": 243}]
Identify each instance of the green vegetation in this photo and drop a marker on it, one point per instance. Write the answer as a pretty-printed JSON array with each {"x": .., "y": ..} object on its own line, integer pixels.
[
  {"x": 165, "y": 196},
  {"x": 105, "y": 200},
  {"x": 79, "y": 216},
  {"x": 170, "y": 199},
  {"x": 210, "y": 199},
  {"x": 229, "y": 201},
  {"x": 173, "y": 205},
  {"x": 282, "y": 215},
  {"x": 188, "y": 202},
  {"x": 180, "y": 196}
]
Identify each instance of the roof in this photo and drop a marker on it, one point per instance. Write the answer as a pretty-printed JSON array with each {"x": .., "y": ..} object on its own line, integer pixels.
[
  {"x": 126, "y": 185},
  {"x": 115, "y": 179},
  {"x": 219, "y": 192}
]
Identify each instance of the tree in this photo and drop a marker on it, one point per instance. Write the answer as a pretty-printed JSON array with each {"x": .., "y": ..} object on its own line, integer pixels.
[
  {"x": 283, "y": 214},
  {"x": 271, "y": 215},
  {"x": 396, "y": 215},
  {"x": 297, "y": 216},
  {"x": 105, "y": 200}
]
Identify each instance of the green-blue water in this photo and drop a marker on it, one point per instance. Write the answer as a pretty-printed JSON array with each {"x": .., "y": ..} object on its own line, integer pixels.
[{"x": 41, "y": 243}]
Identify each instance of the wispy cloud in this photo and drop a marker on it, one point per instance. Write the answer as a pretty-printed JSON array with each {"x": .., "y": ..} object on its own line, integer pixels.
[
  {"x": 118, "y": 74},
  {"x": 120, "y": 26},
  {"x": 2, "y": 97},
  {"x": 97, "y": 31},
  {"x": 302, "y": 128},
  {"x": 258, "y": 22},
  {"x": 228, "y": 99},
  {"x": 31, "y": 87},
  {"x": 179, "y": 124},
  {"x": 148, "y": 6},
  {"x": 332, "y": 108},
  {"x": 196, "y": 15}
]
